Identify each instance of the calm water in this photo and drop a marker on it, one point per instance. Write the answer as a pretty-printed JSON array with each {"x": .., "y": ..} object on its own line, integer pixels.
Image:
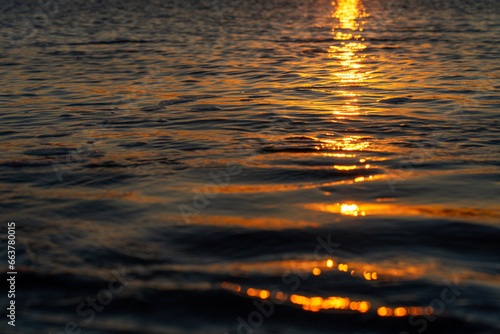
[{"x": 221, "y": 152}]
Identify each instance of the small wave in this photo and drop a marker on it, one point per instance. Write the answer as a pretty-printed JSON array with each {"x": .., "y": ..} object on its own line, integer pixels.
[
  {"x": 26, "y": 163},
  {"x": 54, "y": 135},
  {"x": 258, "y": 96},
  {"x": 92, "y": 153},
  {"x": 205, "y": 108},
  {"x": 134, "y": 144},
  {"x": 150, "y": 108},
  {"x": 395, "y": 100},
  {"x": 49, "y": 151},
  {"x": 178, "y": 100},
  {"x": 117, "y": 41}
]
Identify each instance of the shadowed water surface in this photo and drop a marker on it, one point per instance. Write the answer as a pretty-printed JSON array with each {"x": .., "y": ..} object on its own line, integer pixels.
[{"x": 337, "y": 161}]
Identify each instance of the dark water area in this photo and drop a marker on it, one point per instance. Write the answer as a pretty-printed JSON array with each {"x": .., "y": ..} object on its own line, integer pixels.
[{"x": 258, "y": 166}]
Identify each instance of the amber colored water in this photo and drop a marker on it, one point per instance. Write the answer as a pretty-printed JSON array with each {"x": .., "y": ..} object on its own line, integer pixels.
[{"x": 213, "y": 149}]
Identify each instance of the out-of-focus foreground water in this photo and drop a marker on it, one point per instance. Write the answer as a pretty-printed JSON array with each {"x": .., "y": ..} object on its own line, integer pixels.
[{"x": 221, "y": 152}]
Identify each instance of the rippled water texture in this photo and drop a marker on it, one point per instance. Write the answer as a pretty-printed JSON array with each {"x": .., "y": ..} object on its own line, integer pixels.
[{"x": 255, "y": 166}]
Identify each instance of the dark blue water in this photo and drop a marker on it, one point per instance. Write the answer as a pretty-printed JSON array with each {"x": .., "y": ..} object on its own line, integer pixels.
[{"x": 254, "y": 166}]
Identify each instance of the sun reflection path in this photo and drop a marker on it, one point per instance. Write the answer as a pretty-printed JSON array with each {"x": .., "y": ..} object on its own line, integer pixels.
[
  {"x": 318, "y": 303},
  {"x": 351, "y": 143},
  {"x": 349, "y": 18}
]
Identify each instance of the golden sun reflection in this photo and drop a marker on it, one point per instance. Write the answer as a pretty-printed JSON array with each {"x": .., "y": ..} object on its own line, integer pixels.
[
  {"x": 382, "y": 208},
  {"x": 317, "y": 303},
  {"x": 348, "y": 15},
  {"x": 350, "y": 210},
  {"x": 404, "y": 311},
  {"x": 351, "y": 143},
  {"x": 369, "y": 272},
  {"x": 291, "y": 187}
]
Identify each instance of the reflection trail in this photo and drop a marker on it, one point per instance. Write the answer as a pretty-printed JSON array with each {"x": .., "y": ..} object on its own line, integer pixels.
[
  {"x": 317, "y": 303},
  {"x": 350, "y": 17}
]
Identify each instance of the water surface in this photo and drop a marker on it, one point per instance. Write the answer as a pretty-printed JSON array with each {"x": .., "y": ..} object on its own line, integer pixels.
[{"x": 223, "y": 152}]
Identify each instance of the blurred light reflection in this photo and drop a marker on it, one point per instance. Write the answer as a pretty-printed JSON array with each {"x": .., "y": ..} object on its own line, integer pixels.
[{"x": 317, "y": 303}]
